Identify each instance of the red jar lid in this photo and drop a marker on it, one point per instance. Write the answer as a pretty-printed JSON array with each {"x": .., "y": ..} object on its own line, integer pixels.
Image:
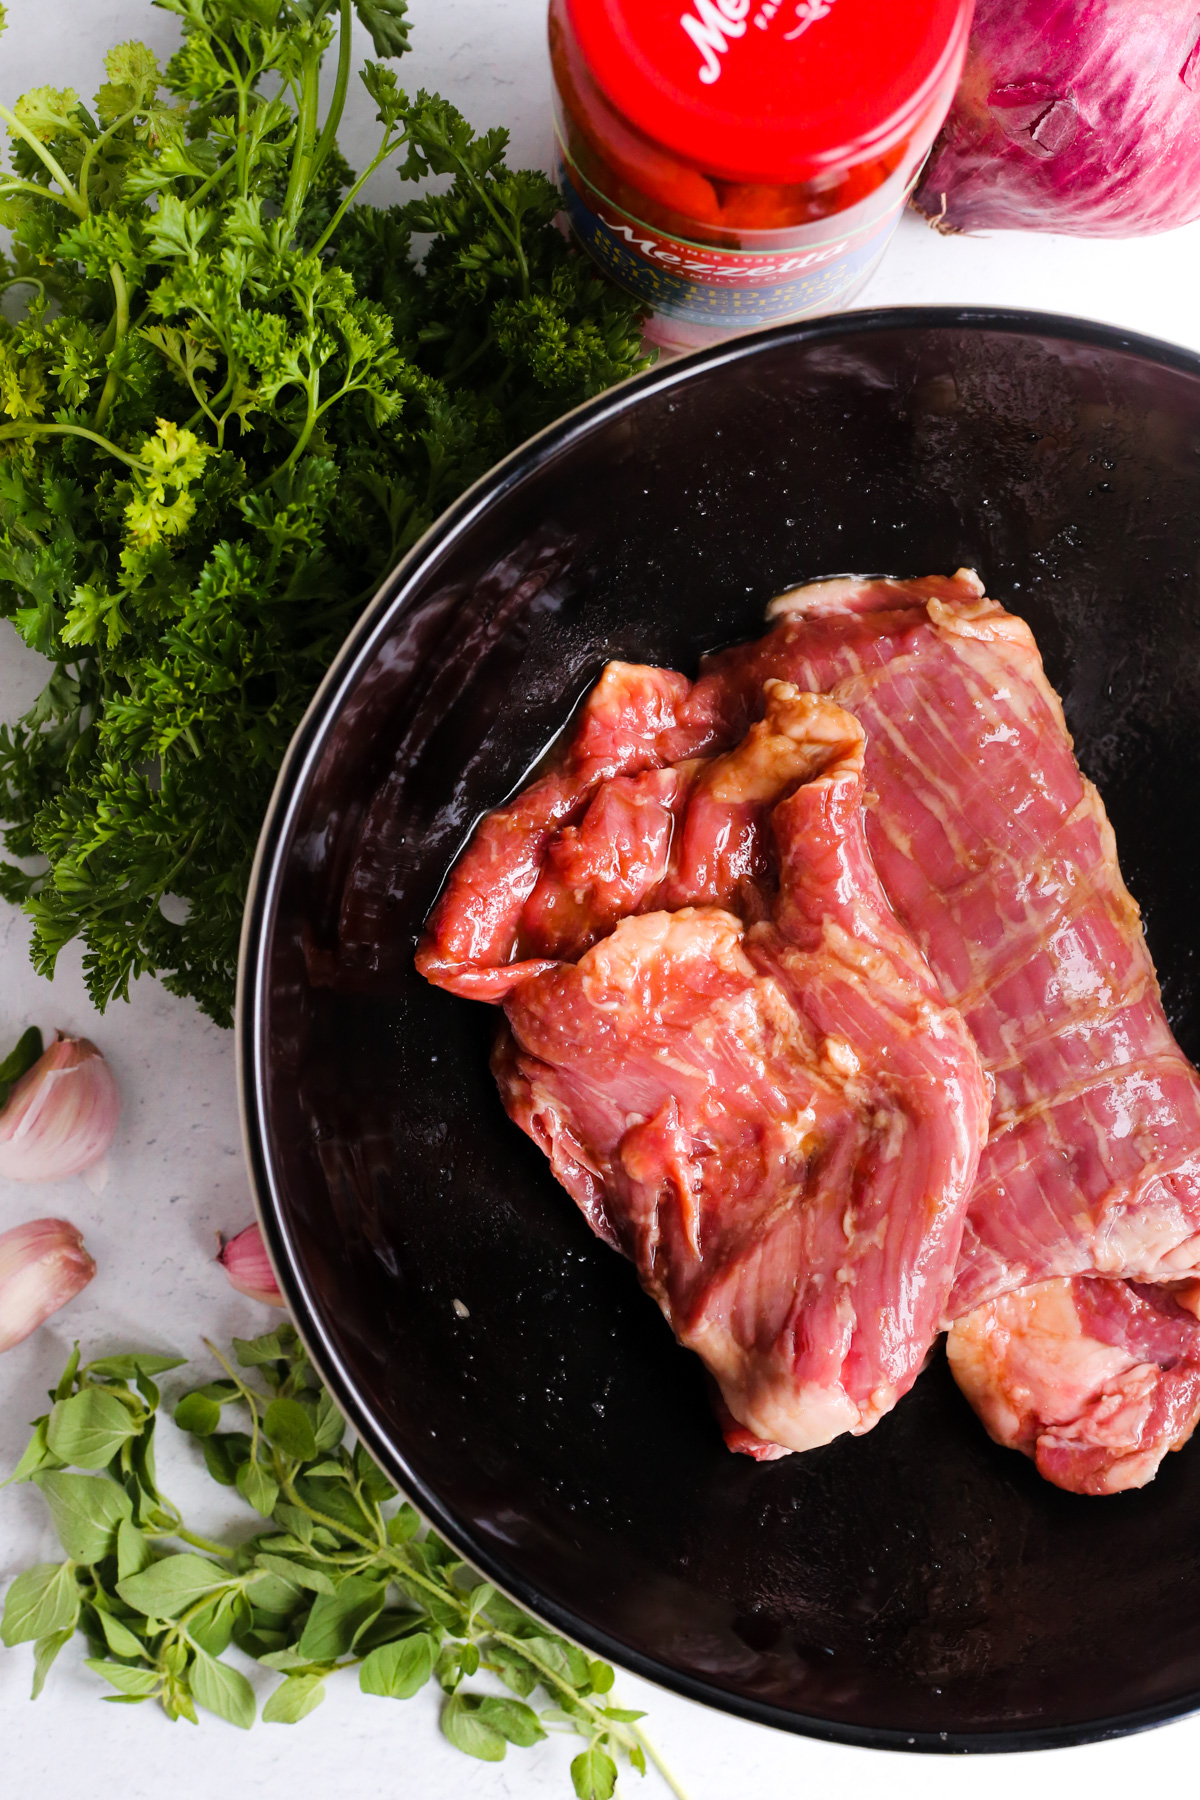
[{"x": 771, "y": 91}]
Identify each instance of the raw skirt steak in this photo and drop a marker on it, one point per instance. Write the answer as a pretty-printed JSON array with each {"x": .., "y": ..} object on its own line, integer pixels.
[
  {"x": 998, "y": 858},
  {"x": 597, "y": 838},
  {"x": 1095, "y": 1379},
  {"x": 748, "y": 1080},
  {"x": 1000, "y": 865}
]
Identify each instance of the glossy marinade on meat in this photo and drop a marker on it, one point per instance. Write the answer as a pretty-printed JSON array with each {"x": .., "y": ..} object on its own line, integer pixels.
[
  {"x": 997, "y": 857},
  {"x": 748, "y": 1082},
  {"x": 587, "y": 844},
  {"x": 1095, "y": 1379}
]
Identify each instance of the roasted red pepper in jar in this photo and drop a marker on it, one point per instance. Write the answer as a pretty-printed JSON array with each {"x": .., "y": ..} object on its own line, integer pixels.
[{"x": 742, "y": 162}]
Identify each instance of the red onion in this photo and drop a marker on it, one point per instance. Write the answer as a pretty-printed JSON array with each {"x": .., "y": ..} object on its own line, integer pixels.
[
  {"x": 1079, "y": 116},
  {"x": 42, "y": 1266},
  {"x": 60, "y": 1117},
  {"x": 244, "y": 1259}
]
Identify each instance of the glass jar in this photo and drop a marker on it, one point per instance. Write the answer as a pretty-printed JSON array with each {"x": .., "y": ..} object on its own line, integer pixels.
[{"x": 738, "y": 163}]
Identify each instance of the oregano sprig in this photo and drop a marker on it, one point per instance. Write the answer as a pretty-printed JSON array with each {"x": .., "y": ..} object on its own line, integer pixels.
[{"x": 341, "y": 1576}]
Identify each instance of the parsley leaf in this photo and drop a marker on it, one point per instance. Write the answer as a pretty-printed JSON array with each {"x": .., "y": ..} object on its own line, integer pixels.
[{"x": 233, "y": 400}]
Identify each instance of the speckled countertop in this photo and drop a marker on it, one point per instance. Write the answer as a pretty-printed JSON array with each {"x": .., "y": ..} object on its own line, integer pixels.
[{"x": 175, "y": 1175}]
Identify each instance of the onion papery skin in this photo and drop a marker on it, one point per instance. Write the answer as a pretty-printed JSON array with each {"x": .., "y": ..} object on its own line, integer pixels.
[
  {"x": 61, "y": 1116},
  {"x": 42, "y": 1265},
  {"x": 245, "y": 1261},
  {"x": 1074, "y": 116}
]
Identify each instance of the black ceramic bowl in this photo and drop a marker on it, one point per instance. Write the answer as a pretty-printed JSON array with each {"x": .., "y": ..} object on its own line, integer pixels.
[{"x": 916, "y": 1587}]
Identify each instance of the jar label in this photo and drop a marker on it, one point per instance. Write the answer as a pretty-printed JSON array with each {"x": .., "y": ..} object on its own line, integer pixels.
[{"x": 709, "y": 286}]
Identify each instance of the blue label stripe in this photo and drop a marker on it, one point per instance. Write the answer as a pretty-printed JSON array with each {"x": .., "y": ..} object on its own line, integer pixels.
[{"x": 706, "y": 302}]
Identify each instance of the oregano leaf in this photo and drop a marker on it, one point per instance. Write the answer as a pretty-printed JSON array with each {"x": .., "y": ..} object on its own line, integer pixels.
[
  {"x": 514, "y": 1671},
  {"x": 222, "y": 1690},
  {"x": 594, "y": 1774},
  {"x": 467, "y": 1731},
  {"x": 87, "y": 1511},
  {"x": 66, "y": 1381},
  {"x": 36, "y": 1455},
  {"x": 133, "y": 1682},
  {"x": 129, "y": 1365},
  {"x": 289, "y": 1428},
  {"x": 330, "y": 1427},
  {"x": 258, "y": 1487},
  {"x": 397, "y": 1671},
  {"x": 516, "y": 1721},
  {"x": 336, "y": 1619},
  {"x": 219, "y": 1457},
  {"x": 133, "y": 1550},
  {"x": 403, "y": 1525},
  {"x": 118, "y": 1636},
  {"x": 167, "y": 1588},
  {"x": 41, "y": 1601},
  {"x": 89, "y": 1428},
  {"x": 271, "y": 1347},
  {"x": 44, "y": 1652},
  {"x": 296, "y": 1572},
  {"x": 198, "y": 1414},
  {"x": 294, "y": 1699}
]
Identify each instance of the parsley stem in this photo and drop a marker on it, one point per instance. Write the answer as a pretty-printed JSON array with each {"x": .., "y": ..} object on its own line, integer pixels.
[
  {"x": 9, "y": 184},
  {"x": 306, "y": 124},
  {"x": 306, "y": 430},
  {"x": 25, "y": 280},
  {"x": 513, "y": 236},
  {"x": 333, "y": 119},
  {"x": 240, "y": 83},
  {"x": 121, "y": 322},
  {"x": 34, "y": 428},
  {"x": 208, "y": 410},
  {"x": 502, "y": 380},
  {"x": 217, "y": 175},
  {"x": 388, "y": 148},
  {"x": 55, "y": 169},
  {"x": 85, "y": 168}
]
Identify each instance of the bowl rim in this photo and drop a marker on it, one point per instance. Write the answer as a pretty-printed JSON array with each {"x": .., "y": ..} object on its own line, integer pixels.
[{"x": 377, "y": 619}]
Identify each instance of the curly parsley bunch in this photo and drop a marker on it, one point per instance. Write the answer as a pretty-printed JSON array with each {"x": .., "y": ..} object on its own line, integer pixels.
[{"x": 231, "y": 401}]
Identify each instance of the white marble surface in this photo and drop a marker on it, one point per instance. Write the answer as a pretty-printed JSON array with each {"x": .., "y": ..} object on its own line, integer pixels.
[{"x": 176, "y": 1174}]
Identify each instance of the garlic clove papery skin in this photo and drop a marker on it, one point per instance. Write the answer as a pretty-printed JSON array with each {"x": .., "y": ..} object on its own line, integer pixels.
[
  {"x": 244, "y": 1259},
  {"x": 61, "y": 1115},
  {"x": 42, "y": 1266}
]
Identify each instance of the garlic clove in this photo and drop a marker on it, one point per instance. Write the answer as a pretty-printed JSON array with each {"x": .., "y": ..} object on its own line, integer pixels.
[
  {"x": 244, "y": 1259},
  {"x": 61, "y": 1116},
  {"x": 42, "y": 1266}
]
